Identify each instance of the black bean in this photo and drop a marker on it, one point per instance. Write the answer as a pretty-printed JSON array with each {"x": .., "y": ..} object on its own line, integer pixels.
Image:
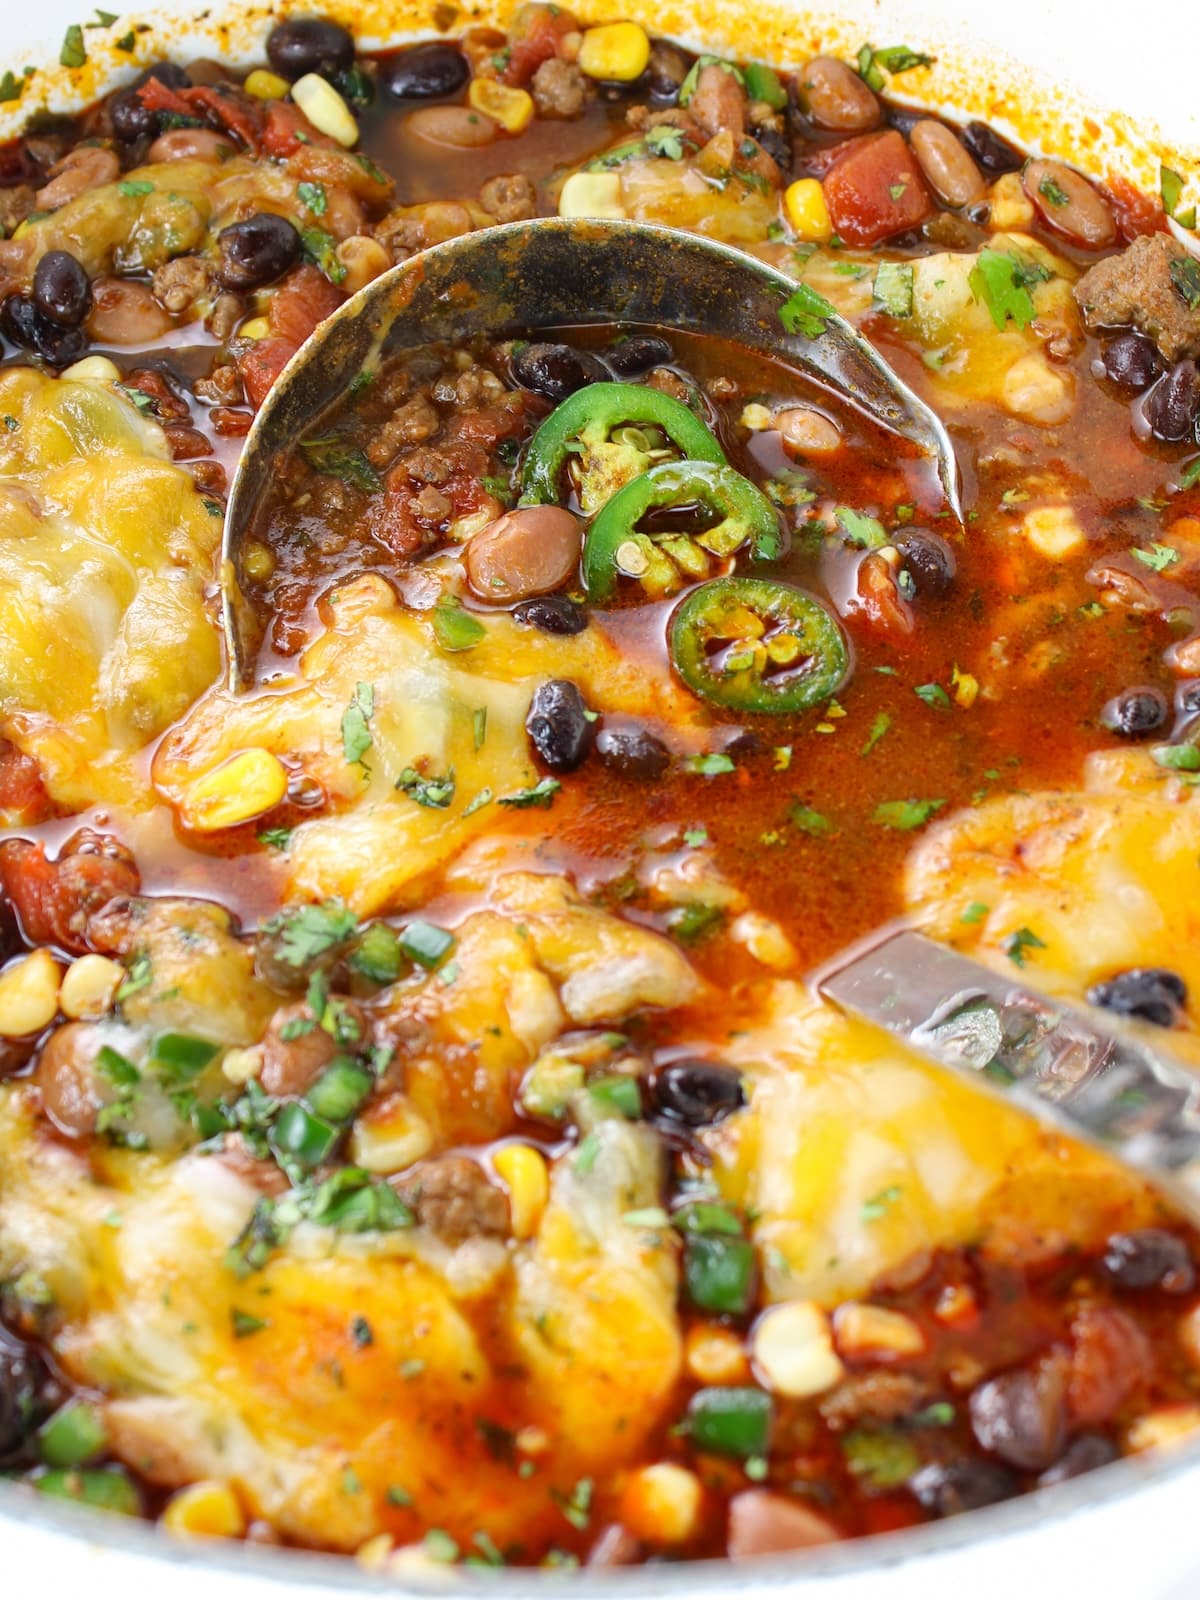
[
  {"x": 309, "y": 44},
  {"x": 1134, "y": 713},
  {"x": 1172, "y": 405},
  {"x": 1188, "y": 698},
  {"x": 698, "y": 1092},
  {"x": 664, "y": 76},
  {"x": 257, "y": 250},
  {"x": 632, "y": 752},
  {"x": 558, "y": 725},
  {"x": 904, "y": 118},
  {"x": 1084, "y": 1454},
  {"x": 629, "y": 358},
  {"x": 929, "y": 561},
  {"x": 1149, "y": 1258},
  {"x": 555, "y": 370},
  {"x": 968, "y": 1485},
  {"x": 61, "y": 289},
  {"x": 778, "y": 146},
  {"x": 169, "y": 73},
  {"x": 552, "y": 613},
  {"x": 130, "y": 119},
  {"x": 1154, "y": 994},
  {"x": 1132, "y": 362},
  {"x": 23, "y": 1380},
  {"x": 1020, "y": 1416},
  {"x": 25, "y": 326},
  {"x": 426, "y": 72},
  {"x": 994, "y": 154}
]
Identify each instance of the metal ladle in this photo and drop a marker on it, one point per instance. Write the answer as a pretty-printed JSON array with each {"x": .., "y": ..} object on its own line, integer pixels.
[{"x": 554, "y": 273}]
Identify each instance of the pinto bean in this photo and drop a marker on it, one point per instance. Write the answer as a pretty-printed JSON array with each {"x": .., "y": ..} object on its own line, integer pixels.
[
  {"x": 66, "y": 1078},
  {"x": 1020, "y": 1415},
  {"x": 948, "y": 168},
  {"x": 1068, "y": 202},
  {"x": 124, "y": 312},
  {"x": 87, "y": 167},
  {"x": 835, "y": 97},
  {"x": 296, "y": 1050},
  {"x": 457, "y": 126},
  {"x": 764, "y": 1523},
  {"x": 191, "y": 144},
  {"x": 529, "y": 551},
  {"x": 805, "y": 432}
]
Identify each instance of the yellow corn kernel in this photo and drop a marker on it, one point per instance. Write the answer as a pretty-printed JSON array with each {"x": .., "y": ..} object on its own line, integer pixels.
[
  {"x": 661, "y": 1503},
  {"x": 616, "y": 52},
  {"x": 715, "y": 1355},
  {"x": 206, "y": 1510},
  {"x": 392, "y": 1141},
  {"x": 756, "y": 417},
  {"x": 373, "y": 1555},
  {"x": 93, "y": 369},
  {"x": 28, "y": 995},
  {"x": 264, "y": 85},
  {"x": 237, "y": 791},
  {"x": 257, "y": 561},
  {"x": 966, "y": 688},
  {"x": 1010, "y": 207},
  {"x": 239, "y": 1066},
  {"x": 793, "y": 1350},
  {"x": 254, "y": 328},
  {"x": 325, "y": 108},
  {"x": 522, "y": 1170},
  {"x": 511, "y": 108},
  {"x": 804, "y": 203},
  {"x": 90, "y": 987},
  {"x": 1167, "y": 1426},
  {"x": 591, "y": 194}
]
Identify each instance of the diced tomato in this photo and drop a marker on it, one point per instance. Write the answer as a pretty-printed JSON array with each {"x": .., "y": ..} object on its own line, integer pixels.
[
  {"x": 1135, "y": 212},
  {"x": 54, "y": 899},
  {"x": 23, "y": 797},
  {"x": 261, "y": 364},
  {"x": 305, "y": 298},
  {"x": 281, "y": 135},
  {"x": 155, "y": 95},
  {"x": 231, "y": 111},
  {"x": 876, "y": 190},
  {"x": 1110, "y": 1359},
  {"x": 536, "y": 36}
]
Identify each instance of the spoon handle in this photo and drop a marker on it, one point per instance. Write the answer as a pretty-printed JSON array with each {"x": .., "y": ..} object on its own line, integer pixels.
[{"x": 1059, "y": 1063}]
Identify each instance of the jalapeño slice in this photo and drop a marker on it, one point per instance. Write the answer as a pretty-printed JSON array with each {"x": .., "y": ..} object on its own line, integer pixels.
[
  {"x": 755, "y": 645},
  {"x": 584, "y": 425},
  {"x": 614, "y": 545}
]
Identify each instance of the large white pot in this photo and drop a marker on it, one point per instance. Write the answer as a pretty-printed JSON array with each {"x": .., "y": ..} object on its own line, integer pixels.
[{"x": 1113, "y": 89}]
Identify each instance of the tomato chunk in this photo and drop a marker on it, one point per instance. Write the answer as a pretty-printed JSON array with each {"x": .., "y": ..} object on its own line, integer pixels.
[{"x": 876, "y": 190}]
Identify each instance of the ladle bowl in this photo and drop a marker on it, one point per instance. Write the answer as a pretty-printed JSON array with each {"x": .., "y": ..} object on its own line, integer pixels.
[{"x": 554, "y": 273}]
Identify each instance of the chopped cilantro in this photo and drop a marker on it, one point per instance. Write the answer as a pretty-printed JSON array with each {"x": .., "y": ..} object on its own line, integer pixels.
[
  {"x": 694, "y": 922},
  {"x": 665, "y": 141},
  {"x": 710, "y": 765},
  {"x": 140, "y": 976},
  {"x": 688, "y": 87},
  {"x": 895, "y": 190},
  {"x": 905, "y": 815},
  {"x": 439, "y": 1546},
  {"x": 880, "y": 1204},
  {"x": 341, "y": 460},
  {"x": 276, "y": 838},
  {"x": 879, "y": 727},
  {"x": 892, "y": 58},
  {"x": 541, "y": 794},
  {"x": 244, "y": 1324},
  {"x": 1019, "y": 942},
  {"x": 306, "y": 933},
  {"x": 893, "y": 291},
  {"x": 1190, "y": 476},
  {"x": 134, "y": 188},
  {"x": 933, "y": 695},
  {"x": 1000, "y": 280},
  {"x": 809, "y": 821},
  {"x": 360, "y": 1332},
  {"x": 806, "y": 312},
  {"x": 1158, "y": 558},
  {"x": 10, "y": 87},
  {"x": 312, "y": 197},
  {"x": 320, "y": 248},
  {"x": 975, "y": 912},
  {"x": 1185, "y": 276},
  {"x": 434, "y": 793},
  {"x": 695, "y": 837},
  {"x": 356, "y": 732},
  {"x": 865, "y": 532},
  {"x": 73, "y": 53},
  {"x": 1052, "y": 192}
]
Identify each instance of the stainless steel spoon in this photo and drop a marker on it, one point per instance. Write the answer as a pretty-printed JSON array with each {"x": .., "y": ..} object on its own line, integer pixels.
[{"x": 557, "y": 273}]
